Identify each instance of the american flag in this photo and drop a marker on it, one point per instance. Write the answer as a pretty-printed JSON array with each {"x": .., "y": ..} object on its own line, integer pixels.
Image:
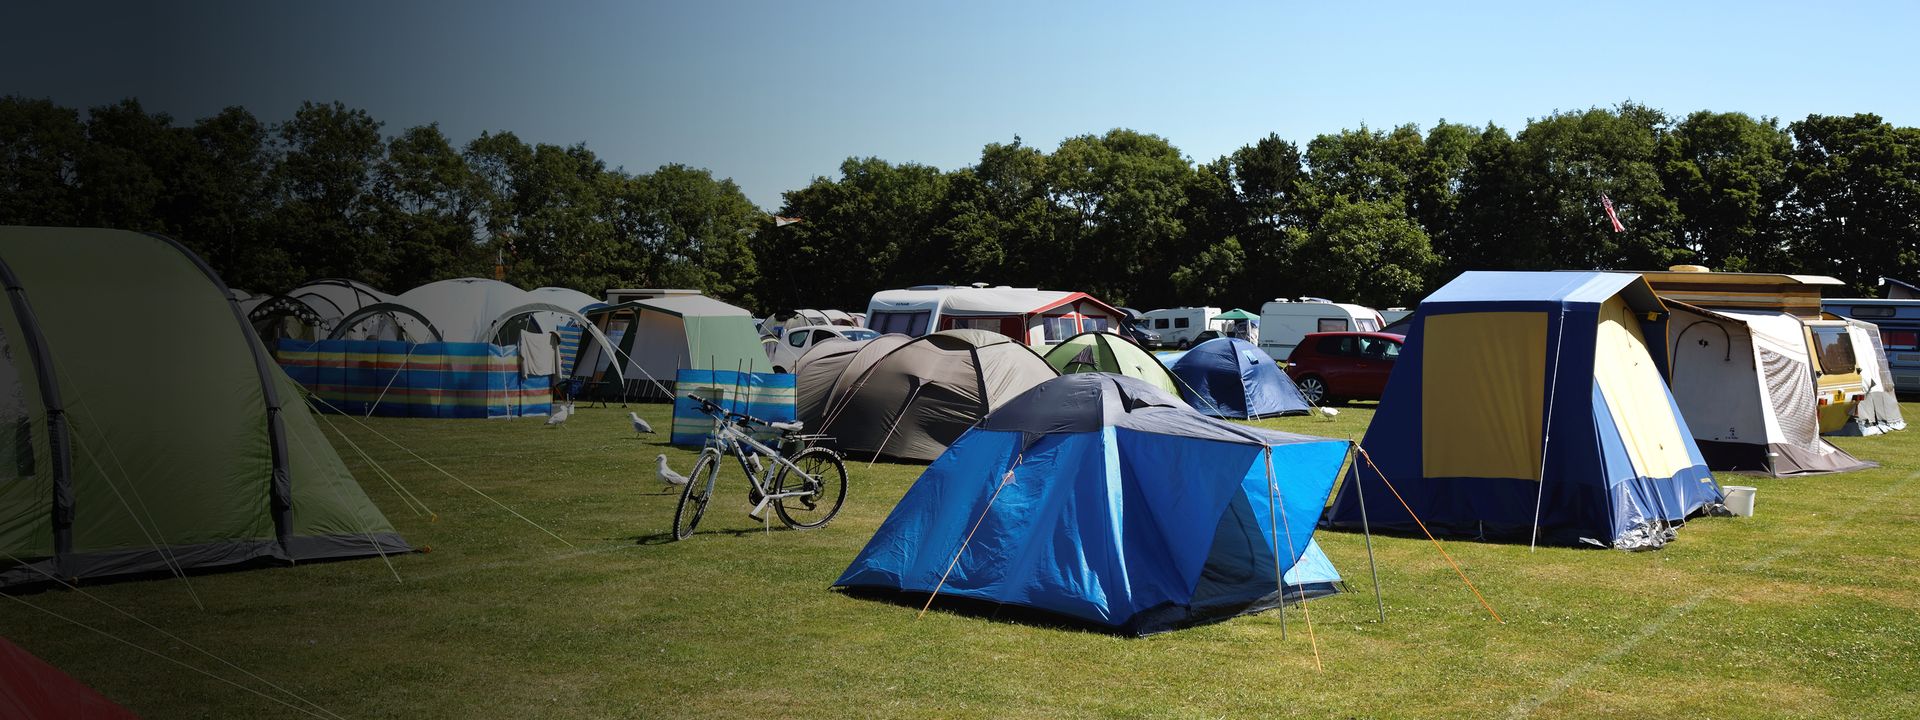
[{"x": 1607, "y": 202}]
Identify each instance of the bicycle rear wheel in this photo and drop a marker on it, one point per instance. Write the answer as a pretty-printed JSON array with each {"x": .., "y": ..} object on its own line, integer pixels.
[
  {"x": 825, "y": 485},
  {"x": 694, "y": 497}
]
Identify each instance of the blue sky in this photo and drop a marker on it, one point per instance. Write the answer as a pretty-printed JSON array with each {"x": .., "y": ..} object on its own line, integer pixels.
[{"x": 773, "y": 94}]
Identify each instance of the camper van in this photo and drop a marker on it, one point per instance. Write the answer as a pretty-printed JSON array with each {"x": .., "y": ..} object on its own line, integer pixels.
[
  {"x": 1283, "y": 322},
  {"x": 1029, "y": 315},
  {"x": 1178, "y": 327}
]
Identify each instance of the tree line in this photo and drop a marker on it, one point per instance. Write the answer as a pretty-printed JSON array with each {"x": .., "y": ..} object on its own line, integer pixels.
[{"x": 1368, "y": 215}]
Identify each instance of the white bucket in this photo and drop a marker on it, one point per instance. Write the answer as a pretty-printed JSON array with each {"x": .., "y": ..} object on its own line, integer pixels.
[{"x": 1739, "y": 499}]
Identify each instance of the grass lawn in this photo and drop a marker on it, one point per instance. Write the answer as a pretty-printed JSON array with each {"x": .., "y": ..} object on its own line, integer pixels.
[{"x": 1810, "y": 609}]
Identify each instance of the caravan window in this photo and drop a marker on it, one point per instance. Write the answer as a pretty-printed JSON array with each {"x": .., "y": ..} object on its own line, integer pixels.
[
  {"x": 1058, "y": 328},
  {"x": 1179, "y": 322},
  {"x": 1366, "y": 325},
  {"x": 1332, "y": 325},
  {"x": 912, "y": 323},
  {"x": 1093, "y": 324},
  {"x": 1835, "y": 350}
]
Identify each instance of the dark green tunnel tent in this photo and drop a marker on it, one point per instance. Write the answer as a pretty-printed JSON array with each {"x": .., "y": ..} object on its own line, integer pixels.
[{"x": 146, "y": 427}]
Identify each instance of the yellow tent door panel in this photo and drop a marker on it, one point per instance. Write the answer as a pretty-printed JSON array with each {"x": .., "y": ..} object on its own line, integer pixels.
[
  {"x": 1635, "y": 394},
  {"x": 1483, "y": 392}
]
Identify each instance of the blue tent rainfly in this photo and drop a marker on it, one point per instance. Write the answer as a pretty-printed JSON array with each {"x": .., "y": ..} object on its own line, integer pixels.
[{"x": 1104, "y": 501}]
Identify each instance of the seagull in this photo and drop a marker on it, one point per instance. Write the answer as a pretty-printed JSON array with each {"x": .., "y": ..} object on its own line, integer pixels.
[
  {"x": 667, "y": 475},
  {"x": 560, "y": 416},
  {"x": 1327, "y": 411},
  {"x": 639, "y": 425}
]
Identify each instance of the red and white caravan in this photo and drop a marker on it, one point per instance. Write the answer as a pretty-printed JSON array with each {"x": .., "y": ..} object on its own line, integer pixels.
[{"x": 1034, "y": 317}]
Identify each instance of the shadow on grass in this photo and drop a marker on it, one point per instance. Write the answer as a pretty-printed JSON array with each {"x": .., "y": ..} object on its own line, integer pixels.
[{"x": 665, "y": 538}]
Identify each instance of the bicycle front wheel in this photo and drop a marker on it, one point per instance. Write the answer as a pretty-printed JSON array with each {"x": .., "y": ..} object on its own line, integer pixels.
[
  {"x": 694, "y": 497},
  {"x": 823, "y": 479}
]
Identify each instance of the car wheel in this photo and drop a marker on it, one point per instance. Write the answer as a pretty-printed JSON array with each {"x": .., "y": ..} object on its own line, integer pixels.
[{"x": 1313, "y": 389}]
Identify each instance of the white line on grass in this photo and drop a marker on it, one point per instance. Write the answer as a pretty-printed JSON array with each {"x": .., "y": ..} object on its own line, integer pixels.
[{"x": 1526, "y": 707}]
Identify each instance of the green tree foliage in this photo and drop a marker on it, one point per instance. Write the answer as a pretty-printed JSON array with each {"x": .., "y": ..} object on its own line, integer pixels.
[
  {"x": 1379, "y": 217},
  {"x": 1726, "y": 172},
  {"x": 1855, "y": 202},
  {"x": 40, "y": 144},
  {"x": 1367, "y": 252}
]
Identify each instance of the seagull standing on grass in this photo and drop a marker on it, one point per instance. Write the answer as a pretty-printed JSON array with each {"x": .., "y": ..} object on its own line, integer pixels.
[
  {"x": 667, "y": 475},
  {"x": 639, "y": 425},
  {"x": 560, "y": 416}
]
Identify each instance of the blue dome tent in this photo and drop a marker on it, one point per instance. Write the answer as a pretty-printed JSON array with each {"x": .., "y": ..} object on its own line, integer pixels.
[
  {"x": 1230, "y": 377},
  {"x": 1533, "y": 395},
  {"x": 1105, "y": 501}
]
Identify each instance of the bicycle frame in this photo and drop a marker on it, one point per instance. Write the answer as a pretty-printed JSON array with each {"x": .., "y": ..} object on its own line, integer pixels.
[{"x": 731, "y": 439}]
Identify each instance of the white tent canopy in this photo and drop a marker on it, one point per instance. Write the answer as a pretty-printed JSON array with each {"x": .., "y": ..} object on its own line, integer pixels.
[
  {"x": 464, "y": 309},
  {"x": 1744, "y": 382}
]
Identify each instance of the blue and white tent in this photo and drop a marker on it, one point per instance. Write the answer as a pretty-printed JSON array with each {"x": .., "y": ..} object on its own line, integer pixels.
[
  {"x": 1230, "y": 377},
  {"x": 1501, "y": 368},
  {"x": 1106, "y": 501}
]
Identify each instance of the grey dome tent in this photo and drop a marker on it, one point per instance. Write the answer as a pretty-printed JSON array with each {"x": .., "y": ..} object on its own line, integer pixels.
[
  {"x": 176, "y": 443},
  {"x": 821, "y": 374},
  {"x": 912, "y": 401}
]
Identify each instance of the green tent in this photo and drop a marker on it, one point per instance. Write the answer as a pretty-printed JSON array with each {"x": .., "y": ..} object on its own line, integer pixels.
[
  {"x": 1236, "y": 314},
  {"x": 151, "y": 431},
  {"x": 1110, "y": 353},
  {"x": 658, "y": 337}
]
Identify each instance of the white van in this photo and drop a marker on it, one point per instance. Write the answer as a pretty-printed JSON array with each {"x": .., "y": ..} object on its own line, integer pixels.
[
  {"x": 1178, "y": 326},
  {"x": 1284, "y": 322}
]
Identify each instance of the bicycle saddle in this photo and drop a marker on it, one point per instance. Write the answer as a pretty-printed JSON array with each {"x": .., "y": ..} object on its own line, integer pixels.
[{"x": 786, "y": 426}]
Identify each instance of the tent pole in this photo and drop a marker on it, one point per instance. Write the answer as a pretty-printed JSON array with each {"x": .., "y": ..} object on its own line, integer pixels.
[
  {"x": 1366, "y": 530},
  {"x": 1430, "y": 538},
  {"x": 1546, "y": 432},
  {"x": 1273, "y": 491}
]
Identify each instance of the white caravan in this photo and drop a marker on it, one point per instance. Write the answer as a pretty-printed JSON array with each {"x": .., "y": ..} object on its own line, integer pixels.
[
  {"x": 1033, "y": 317},
  {"x": 1284, "y": 322},
  {"x": 1178, "y": 326}
]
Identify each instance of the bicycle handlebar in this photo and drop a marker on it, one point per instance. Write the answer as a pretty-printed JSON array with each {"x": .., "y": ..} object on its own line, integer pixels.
[{"x": 712, "y": 408}]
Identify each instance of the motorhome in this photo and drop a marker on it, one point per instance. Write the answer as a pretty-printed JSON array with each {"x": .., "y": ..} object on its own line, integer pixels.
[
  {"x": 1898, "y": 315},
  {"x": 1029, "y": 315},
  {"x": 1177, "y": 327},
  {"x": 1284, "y": 322}
]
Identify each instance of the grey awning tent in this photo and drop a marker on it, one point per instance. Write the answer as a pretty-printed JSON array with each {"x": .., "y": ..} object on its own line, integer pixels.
[{"x": 914, "y": 399}]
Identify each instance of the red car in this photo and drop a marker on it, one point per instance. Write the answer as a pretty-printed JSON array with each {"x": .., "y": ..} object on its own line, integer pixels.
[{"x": 1337, "y": 366}]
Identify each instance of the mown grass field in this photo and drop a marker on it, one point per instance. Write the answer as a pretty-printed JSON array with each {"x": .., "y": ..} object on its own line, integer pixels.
[{"x": 1810, "y": 609}]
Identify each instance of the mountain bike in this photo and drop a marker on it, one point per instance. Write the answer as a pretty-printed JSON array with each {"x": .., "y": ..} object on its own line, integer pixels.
[{"x": 804, "y": 483}]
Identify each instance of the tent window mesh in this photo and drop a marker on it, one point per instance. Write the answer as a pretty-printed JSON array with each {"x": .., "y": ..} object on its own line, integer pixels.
[{"x": 1791, "y": 390}]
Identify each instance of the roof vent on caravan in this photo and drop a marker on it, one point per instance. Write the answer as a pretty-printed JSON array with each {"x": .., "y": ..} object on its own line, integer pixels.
[{"x": 1688, "y": 268}]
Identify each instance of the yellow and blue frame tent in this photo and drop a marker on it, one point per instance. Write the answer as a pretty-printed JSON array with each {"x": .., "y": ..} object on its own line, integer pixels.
[
  {"x": 1532, "y": 399},
  {"x": 145, "y": 447}
]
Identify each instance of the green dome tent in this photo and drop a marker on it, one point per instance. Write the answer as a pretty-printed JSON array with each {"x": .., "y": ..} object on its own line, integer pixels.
[
  {"x": 167, "y": 441},
  {"x": 1109, "y": 353}
]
